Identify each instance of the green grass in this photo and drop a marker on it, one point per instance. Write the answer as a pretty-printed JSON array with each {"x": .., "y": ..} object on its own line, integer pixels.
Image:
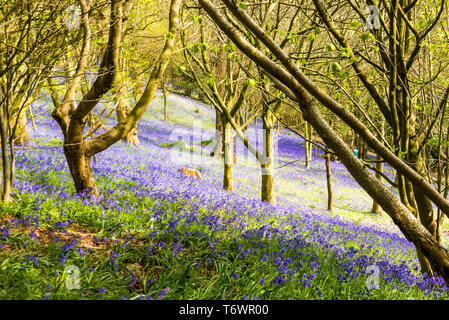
[{"x": 198, "y": 271}]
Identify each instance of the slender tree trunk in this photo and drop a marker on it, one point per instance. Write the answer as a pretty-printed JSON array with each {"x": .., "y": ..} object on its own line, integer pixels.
[
  {"x": 218, "y": 150},
  {"x": 362, "y": 147},
  {"x": 6, "y": 165},
  {"x": 330, "y": 198},
  {"x": 12, "y": 167},
  {"x": 268, "y": 194},
  {"x": 380, "y": 167},
  {"x": 445, "y": 168},
  {"x": 310, "y": 143},
  {"x": 353, "y": 136},
  {"x": 228, "y": 156},
  {"x": 308, "y": 146},
  {"x": 164, "y": 92}
]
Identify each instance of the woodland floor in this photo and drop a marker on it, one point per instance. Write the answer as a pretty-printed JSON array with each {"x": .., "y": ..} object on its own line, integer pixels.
[{"x": 155, "y": 234}]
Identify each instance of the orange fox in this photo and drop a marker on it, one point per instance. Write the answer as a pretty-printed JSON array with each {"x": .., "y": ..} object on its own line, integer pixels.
[{"x": 191, "y": 173}]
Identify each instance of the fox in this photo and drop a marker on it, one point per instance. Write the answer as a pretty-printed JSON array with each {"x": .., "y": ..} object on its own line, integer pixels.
[{"x": 191, "y": 173}]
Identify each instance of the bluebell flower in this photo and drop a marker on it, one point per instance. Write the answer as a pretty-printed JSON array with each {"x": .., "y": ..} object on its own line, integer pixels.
[{"x": 163, "y": 293}]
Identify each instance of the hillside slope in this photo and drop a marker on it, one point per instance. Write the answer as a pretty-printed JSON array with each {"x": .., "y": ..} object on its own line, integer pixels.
[{"x": 155, "y": 229}]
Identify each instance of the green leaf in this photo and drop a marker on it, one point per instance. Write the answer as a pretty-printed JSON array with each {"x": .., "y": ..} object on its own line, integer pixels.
[
  {"x": 335, "y": 67},
  {"x": 345, "y": 52},
  {"x": 337, "y": 96},
  {"x": 311, "y": 36},
  {"x": 434, "y": 142},
  {"x": 180, "y": 70},
  {"x": 330, "y": 47},
  {"x": 243, "y": 5},
  {"x": 344, "y": 74},
  {"x": 354, "y": 24},
  {"x": 252, "y": 82}
]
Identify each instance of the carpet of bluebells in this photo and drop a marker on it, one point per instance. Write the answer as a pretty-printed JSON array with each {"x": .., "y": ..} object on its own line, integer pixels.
[{"x": 155, "y": 234}]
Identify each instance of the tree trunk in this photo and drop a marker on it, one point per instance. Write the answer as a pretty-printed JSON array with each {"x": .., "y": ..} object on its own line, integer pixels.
[
  {"x": 122, "y": 111},
  {"x": 380, "y": 167},
  {"x": 268, "y": 194},
  {"x": 308, "y": 146},
  {"x": 362, "y": 147},
  {"x": 164, "y": 93},
  {"x": 80, "y": 169},
  {"x": 330, "y": 198},
  {"x": 218, "y": 149},
  {"x": 21, "y": 132},
  {"x": 6, "y": 165},
  {"x": 425, "y": 212},
  {"x": 228, "y": 137}
]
